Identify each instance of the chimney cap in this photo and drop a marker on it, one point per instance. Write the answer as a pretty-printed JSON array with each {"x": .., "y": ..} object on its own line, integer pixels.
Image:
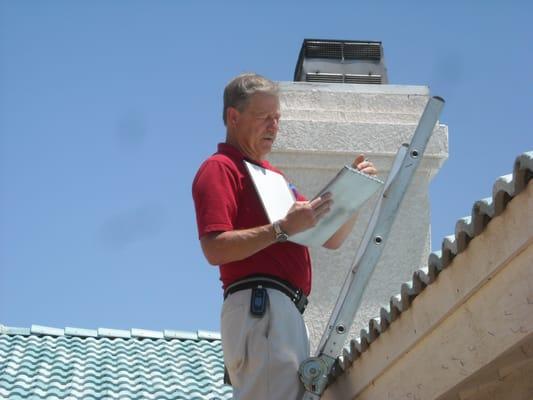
[{"x": 341, "y": 61}]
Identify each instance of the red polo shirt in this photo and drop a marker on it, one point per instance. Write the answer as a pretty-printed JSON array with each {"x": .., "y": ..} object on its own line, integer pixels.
[{"x": 225, "y": 200}]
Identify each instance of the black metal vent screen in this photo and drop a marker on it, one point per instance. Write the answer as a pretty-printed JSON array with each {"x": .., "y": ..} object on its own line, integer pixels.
[
  {"x": 318, "y": 77},
  {"x": 341, "y": 61},
  {"x": 342, "y": 50},
  {"x": 318, "y": 49},
  {"x": 376, "y": 79},
  {"x": 367, "y": 51},
  {"x": 340, "y": 78}
]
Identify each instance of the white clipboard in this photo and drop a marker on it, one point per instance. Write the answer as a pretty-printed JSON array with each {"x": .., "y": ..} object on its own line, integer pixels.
[{"x": 349, "y": 189}]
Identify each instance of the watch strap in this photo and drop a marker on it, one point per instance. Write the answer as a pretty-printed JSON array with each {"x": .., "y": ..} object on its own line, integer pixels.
[{"x": 281, "y": 236}]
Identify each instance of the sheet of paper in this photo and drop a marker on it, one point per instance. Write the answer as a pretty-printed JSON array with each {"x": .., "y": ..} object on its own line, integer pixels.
[{"x": 273, "y": 190}]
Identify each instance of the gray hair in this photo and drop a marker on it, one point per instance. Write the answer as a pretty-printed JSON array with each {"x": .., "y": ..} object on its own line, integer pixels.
[{"x": 240, "y": 89}]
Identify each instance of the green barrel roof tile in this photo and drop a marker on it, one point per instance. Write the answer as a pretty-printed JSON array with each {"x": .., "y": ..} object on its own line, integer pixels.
[
  {"x": 81, "y": 332},
  {"x": 143, "y": 333},
  {"x": 169, "y": 334},
  {"x": 209, "y": 335},
  {"x": 114, "y": 333},
  {"x": 15, "y": 331},
  {"x": 46, "y": 330},
  {"x": 82, "y": 363}
]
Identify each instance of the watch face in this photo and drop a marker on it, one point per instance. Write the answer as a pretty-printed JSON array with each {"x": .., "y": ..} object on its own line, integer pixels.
[{"x": 282, "y": 237}]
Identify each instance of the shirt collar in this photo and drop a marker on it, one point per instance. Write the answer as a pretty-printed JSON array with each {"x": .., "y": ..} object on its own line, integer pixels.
[{"x": 232, "y": 151}]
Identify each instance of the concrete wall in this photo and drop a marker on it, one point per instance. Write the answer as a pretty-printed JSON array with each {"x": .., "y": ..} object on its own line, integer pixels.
[{"x": 323, "y": 127}]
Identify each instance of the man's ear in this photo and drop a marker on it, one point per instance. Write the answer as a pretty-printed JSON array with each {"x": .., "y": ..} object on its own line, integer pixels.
[{"x": 232, "y": 116}]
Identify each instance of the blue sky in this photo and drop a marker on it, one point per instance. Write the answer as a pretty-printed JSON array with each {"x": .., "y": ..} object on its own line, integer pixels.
[{"x": 107, "y": 108}]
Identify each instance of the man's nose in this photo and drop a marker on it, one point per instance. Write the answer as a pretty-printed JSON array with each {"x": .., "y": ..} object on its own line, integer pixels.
[{"x": 273, "y": 123}]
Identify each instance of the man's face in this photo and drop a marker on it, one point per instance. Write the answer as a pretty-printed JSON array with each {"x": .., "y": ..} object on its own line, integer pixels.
[{"x": 256, "y": 127}]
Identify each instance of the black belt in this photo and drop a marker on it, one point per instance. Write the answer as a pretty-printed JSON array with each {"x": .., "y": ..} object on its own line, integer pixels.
[{"x": 297, "y": 296}]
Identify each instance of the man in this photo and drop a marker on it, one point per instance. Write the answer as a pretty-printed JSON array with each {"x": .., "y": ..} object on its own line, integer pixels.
[{"x": 265, "y": 277}]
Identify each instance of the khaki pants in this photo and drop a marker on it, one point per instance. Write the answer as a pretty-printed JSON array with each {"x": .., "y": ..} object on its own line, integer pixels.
[{"x": 262, "y": 355}]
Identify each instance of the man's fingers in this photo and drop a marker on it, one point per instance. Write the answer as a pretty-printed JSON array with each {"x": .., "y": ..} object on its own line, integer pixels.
[
  {"x": 360, "y": 162},
  {"x": 323, "y": 204},
  {"x": 369, "y": 170},
  {"x": 359, "y": 159},
  {"x": 366, "y": 167},
  {"x": 321, "y": 211},
  {"x": 320, "y": 199}
]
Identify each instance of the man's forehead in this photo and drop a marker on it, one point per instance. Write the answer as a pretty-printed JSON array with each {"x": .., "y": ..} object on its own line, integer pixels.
[{"x": 264, "y": 101}]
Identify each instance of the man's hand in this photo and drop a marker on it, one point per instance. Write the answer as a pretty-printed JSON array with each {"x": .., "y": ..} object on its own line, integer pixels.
[
  {"x": 305, "y": 214},
  {"x": 363, "y": 165}
]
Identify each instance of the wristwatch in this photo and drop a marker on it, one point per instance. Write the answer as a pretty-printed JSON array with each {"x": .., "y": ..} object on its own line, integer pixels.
[{"x": 280, "y": 235}]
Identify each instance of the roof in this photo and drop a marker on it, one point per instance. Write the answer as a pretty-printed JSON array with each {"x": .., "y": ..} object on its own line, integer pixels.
[
  {"x": 74, "y": 363},
  {"x": 483, "y": 211}
]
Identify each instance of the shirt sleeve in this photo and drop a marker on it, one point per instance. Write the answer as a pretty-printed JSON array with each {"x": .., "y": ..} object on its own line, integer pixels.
[{"x": 215, "y": 198}]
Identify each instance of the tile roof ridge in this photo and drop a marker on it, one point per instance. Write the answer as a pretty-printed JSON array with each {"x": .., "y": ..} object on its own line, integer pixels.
[
  {"x": 133, "y": 333},
  {"x": 504, "y": 189}
]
